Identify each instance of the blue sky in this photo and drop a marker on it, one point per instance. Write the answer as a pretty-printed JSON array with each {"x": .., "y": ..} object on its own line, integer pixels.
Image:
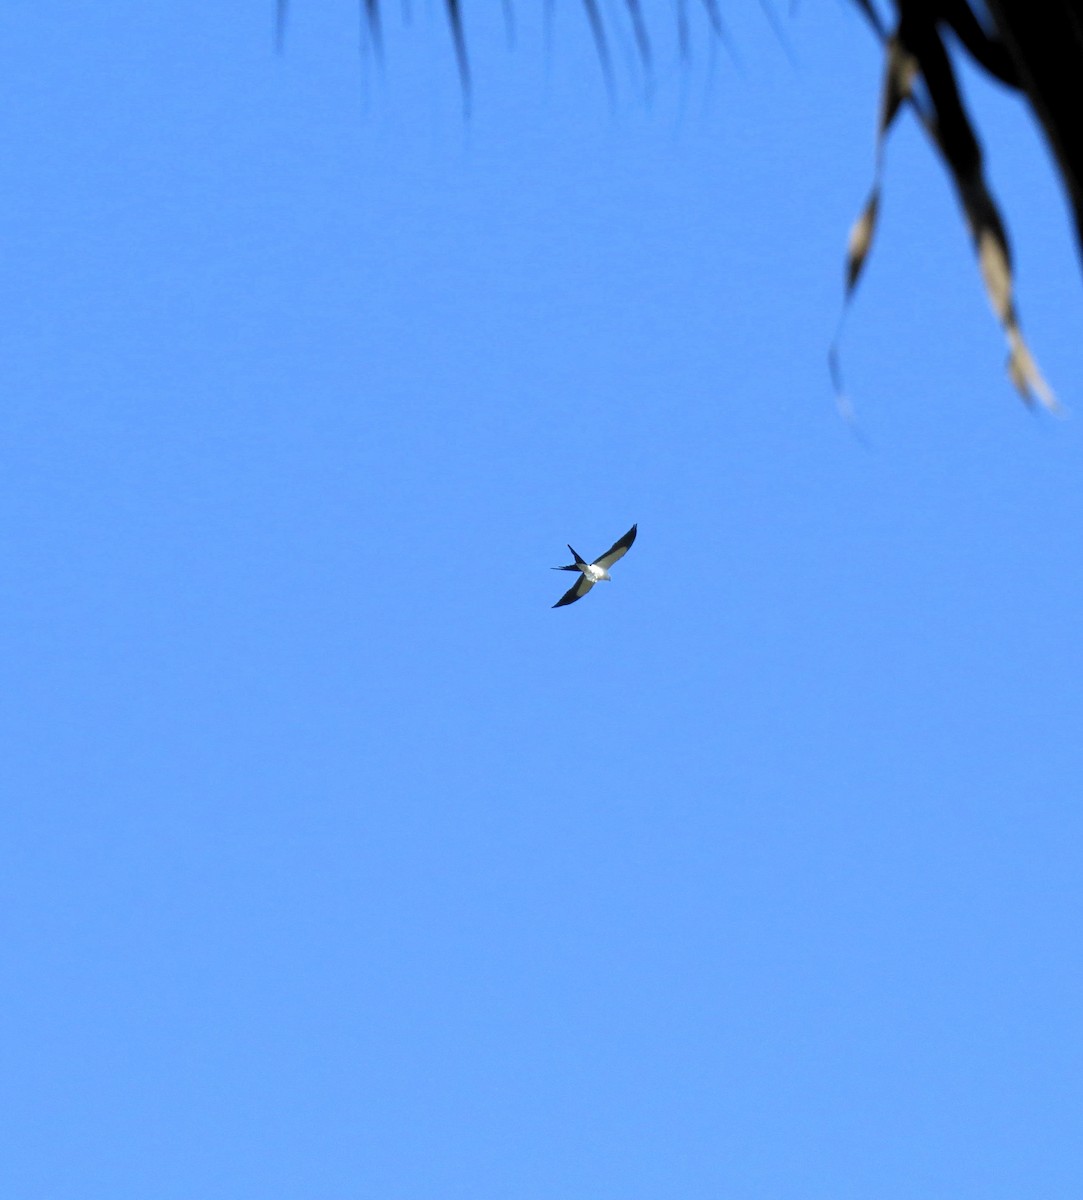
[{"x": 335, "y": 862}]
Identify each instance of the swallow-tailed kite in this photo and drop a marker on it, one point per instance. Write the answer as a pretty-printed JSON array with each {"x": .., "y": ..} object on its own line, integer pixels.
[{"x": 595, "y": 572}]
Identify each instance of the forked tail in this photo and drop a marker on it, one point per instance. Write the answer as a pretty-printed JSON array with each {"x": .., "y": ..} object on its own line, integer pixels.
[{"x": 575, "y": 566}]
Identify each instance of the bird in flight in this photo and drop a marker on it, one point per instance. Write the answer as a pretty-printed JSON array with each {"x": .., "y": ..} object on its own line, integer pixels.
[{"x": 595, "y": 572}]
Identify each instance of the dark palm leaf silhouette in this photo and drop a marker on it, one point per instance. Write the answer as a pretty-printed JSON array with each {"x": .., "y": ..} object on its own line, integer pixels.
[{"x": 1033, "y": 48}]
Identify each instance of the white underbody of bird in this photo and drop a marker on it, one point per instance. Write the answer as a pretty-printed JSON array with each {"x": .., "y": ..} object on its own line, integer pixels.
[{"x": 594, "y": 572}]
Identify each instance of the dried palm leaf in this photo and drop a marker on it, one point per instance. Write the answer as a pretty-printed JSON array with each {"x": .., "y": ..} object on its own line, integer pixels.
[
  {"x": 916, "y": 49},
  {"x": 1035, "y": 48}
]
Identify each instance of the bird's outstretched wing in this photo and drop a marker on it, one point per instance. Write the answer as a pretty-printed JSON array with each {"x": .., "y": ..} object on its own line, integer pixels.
[
  {"x": 580, "y": 588},
  {"x": 617, "y": 550}
]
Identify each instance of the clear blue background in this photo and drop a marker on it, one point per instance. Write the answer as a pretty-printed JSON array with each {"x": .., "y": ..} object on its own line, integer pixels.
[{"x": 335, "y": 862}]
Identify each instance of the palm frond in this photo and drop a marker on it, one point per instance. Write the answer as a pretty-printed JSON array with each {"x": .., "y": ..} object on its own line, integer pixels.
[{"x": 1036, "y": 49}]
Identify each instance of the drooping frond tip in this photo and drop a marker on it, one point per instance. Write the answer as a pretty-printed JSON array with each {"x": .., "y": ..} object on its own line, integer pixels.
[
  {"x": 281, "y": 12},
  {"x": 916, "y": 50},
  {"x": 373, "y": 15},
  {"x": 372, "y": 22},
  {"x": 455, "y": 19}
]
